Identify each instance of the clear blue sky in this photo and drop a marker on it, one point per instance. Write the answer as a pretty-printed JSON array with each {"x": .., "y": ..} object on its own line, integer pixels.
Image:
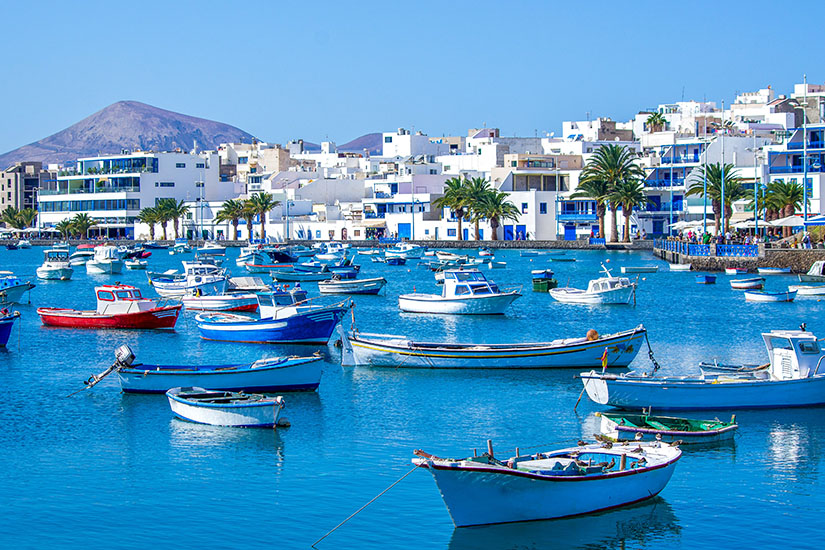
[{"x": 284, "y": 70}]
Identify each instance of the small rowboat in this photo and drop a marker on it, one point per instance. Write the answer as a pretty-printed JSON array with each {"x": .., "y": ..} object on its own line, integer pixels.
[
  {"x": 495, "y": 265},
  {"x": 390, "y": 260},
  {"x": 808, "y": 290},
  {"x": 735, "y": 271},
  {"x": 639, "y": 269},
  {"x": 223, "y": 302},
  {"x": 528, "y": 253},
  {"x": 762, "y": 296},
  {"x": 560, "y": 259},
  {"x": 224, "y": 408},
  {"x": 754, "y": 283},
  {"x": 352, "y": 286},
  {"x": 620, "y": 426},
  {"x": 706, "y": 279},
  {"x": 481, "y": 490},
  {"x": 773, "y": 270},
  {"x": 680, "y": 267},
  {"x": 135, "y": 264}
]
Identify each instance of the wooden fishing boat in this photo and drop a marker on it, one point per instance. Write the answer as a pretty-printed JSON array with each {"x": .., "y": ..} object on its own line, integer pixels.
[
  {"x": 620, "y": 426},
  {"x": 7, "y": 319},
  {"x": 735, "y": 271},
  {"x": 753, "y": 283},
  {"x": 275, "y": 374},
  {"x": 303, "y": 323},
  {"x": 484, "y": 251},
  {"x": 135, "y": 264},
  {"x": 792, "y": 379},
  {"x": 384, "y": 350},
  {"x": 352, "y": 286},
  {"x": 482, "y": 490},
  {"x": 224, "y": 408},
  {"x": 12, "y": 288},
  {"x": 773, "y": 270},
  {"x": 680, "y": 267},
  {"x": 762, "y": 296},
  {"x": 222, "y": 302},
  {"x": 206, "y": 278},
  {"x": 706, "y": 279},
  {"x": 808, "y": 290},
  {"x": 407, "y": 251},
  {"x": 490, "y": 264},
  {"x": 119, "y": 307},
  {"x": 640, "y": 269},
  {"x": 464, "y": 293}
]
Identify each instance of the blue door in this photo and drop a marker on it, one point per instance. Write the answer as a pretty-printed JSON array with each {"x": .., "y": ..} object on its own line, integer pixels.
[
  {"x": 521, "y": 232},
  {"x": 480, "y": 234},
  {"x": 466, "y": 234},
  {"x": 508, "y": 232},
  {"x": 570, "y": 232},
  {"x": 404, "y": 230}
]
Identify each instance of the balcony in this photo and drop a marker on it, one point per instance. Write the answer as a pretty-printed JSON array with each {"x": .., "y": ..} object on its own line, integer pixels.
[
  {"x": 664, "y": 208},
  {"x": 85, "y": 191},
  {"x": 680, "y": 159},
  {"x": 798, "y": 145},
  {"x": 665, "y": 183},
  {"x": 577, "y": 217},
  {"x": 373, "y": 215},
  {"x": 796, "y": 169}
]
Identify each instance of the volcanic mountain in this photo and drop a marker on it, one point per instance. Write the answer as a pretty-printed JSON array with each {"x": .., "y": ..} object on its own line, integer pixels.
[{"x": 126, "y": 125}]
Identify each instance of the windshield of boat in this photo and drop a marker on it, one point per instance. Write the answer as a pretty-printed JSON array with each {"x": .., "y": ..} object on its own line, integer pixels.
[
  {"x": 105, "y": 295},
  {"x": 124, "y": 294},
  {"x": 462, "y": 289},
  {"x": 469, "y": 276},
  {"x": 481, "y": 289}
]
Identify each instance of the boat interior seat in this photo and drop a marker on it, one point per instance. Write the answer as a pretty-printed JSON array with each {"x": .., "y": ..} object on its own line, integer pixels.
[{"x": 657, "y": 425}]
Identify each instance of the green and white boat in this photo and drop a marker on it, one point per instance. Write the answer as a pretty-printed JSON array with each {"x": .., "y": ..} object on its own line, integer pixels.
[{"x": 618, "y": 426}]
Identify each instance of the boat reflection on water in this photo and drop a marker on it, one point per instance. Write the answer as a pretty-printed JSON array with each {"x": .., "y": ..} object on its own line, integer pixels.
[
  {"x": 201, "y": 439},
  {"x": 648, "y": 523}
]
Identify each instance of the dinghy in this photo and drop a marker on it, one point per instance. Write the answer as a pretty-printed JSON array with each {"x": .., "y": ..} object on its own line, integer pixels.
[
  {"x": 223, "y": 408},
  {"x": 735, "y": 271},
  {"x": 222, "y": 302},
  {"x": 753, "y": 283},
  {"x": 640, "y": 269},
  {"x": 773, "y": 270},
  {"x": 808, "y": 290},
  {"x": 617, "y": 426},
  {"x": 680, "y": 267},
  {"x": 482, "y": 490},
  {"x": 706, "y": 279},
  {"x": 352, "y": 286},
  {"x": 762, "y": 296},
  {"x": 816, "y": 274}
]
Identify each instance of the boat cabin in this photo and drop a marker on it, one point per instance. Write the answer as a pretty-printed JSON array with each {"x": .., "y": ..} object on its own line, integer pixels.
[
  {"x": 106, "y": 253},
  {"x": 56, "y": 255},
  {"x": 202, "y": 268},
  {"x": 270, "y": 302},
  {"x": 794, "y": 354},
  {"x": 604, "y": 284},
  {"x": 818, "y": 268},
  {"x": 464, "y": 283},
  {"x": 115, "y": 299}
]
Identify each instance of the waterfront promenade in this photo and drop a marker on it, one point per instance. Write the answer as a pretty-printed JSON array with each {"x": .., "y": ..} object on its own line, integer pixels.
[{"x": 717, "y": 257}]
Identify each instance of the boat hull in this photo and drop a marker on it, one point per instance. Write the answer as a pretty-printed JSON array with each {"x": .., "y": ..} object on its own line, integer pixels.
[
  {"x": 617, "y": 432},
  {"x": 621, "y": 296},
  {"x": 104, "y": 268},
  {"x": 802, "y": 290},
  {"x": 356, "y": 286},
  {"x": 621, "y": 349},
  {"x": 295, "y": 375},
  {"x": 14, "y": 293},
  {"x": 481, "y": 305},
  {"x": 764, "y": 297},
  {"x": 807, "y": 278},
  {"x": 180, "y": 289},
  {"x": 313, "y": 327},
  {"x": 54, "y": 274},
  {"x": 160, "y": 317},
  {"x": 259, "y": 414},
  {"x": 244, "y": 302},
  {"x": 479, "y": 497},
  {"x": 6, "y": 324},
  {"x": 686, "y": 395}
]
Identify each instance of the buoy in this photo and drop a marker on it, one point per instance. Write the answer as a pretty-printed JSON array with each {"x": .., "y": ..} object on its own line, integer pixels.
[
  {"x": 283, "y": 423},
  {"x": 644, "y": 278},
  {"x": 607, "y": 260}
]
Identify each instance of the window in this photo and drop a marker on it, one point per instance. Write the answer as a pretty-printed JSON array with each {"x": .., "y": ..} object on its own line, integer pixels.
[
  {"x": 180, "y": 165},
  {"x": 198, "y": 184},
  {"x": 243, "y": 160},
  {"x": 200, "y": 165},
  {"x": 524, "y": 208},
  {"x": 542, "y": 208},
  {"x": 426, "y": 231},
  {"x": 318, "y": 234},
  {"x": 164, "y": 184},
  {"x": 105, "y": 295},
  {"x": 388, "y": 139},
  {"x": 357, "y": 232},
  {"x": 123, "y": 294},
  {"x": 451, "y": 232},
  {"x": 462, "y": 289}
]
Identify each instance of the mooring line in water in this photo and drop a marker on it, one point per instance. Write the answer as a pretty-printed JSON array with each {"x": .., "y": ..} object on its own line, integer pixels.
[{"x": 365, "y": 505}]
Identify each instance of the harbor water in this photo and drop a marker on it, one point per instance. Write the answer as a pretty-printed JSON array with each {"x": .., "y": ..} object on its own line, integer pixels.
[{"x": 102, "y": 469}]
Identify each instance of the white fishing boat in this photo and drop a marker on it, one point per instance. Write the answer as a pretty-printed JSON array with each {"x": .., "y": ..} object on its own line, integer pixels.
[
  {"x": 351, "y": 286},
  {"x": 385, "y": 350},
  {"x": 106, "y": 261},
  {"x": 464, "y": 293},
  {"x": 680, "y": 267},
  {"x": 816, "y": 274},
  {"x": 808, "y": 290},
  {"x": 773, "y": 270},
  {"x": 12, "y": 288},
  {"x": 735, "y": 271},
  {"x": 407, "y": 251},
  {"x": 482, "y": 490},
  {"x": 221, "y": 302},
  {"x": 211, "y": 249},
  {"x": 331, "y": 252},
  {"x": 449, "y": 256},
  {"x": 56, "y": 266},
  {"x": 762, "y": 296},
  {"x": 207, "y": 278},
  {"x": 792, "y": 379},
  {"x": 483, "y": 251},
  {"x": 134, "y": 263},
  {"x": 224, "y": 408},
  {"x": 753, "y": 283},
  {"x": 81, "y": 256},
  {"x": 179, "y": 248},
  {"x": 24, "y": 243},
  {"x": 640, "y": 269},
  {"x": 604, "y": 290},
  {"x": 490, "y": 264}
]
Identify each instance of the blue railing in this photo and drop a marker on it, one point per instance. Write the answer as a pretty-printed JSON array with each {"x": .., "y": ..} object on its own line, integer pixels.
[
  {"x": 748, "y": 250},
  {"x": 664, "y": 183},
  {"x": 577, "y": 217},
  {"x": 596, "y": 241},
  {"x": 698, "y": 250},
  {"x": 811, "y": 145},
  {"x": 798, "y": 169},
  {"x": 678, "y": 159}
]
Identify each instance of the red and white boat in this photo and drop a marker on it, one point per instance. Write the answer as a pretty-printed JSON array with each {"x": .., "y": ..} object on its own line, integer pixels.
[
  {"x": 118, "y": 306},
  {"x": 224, "y": 302}
]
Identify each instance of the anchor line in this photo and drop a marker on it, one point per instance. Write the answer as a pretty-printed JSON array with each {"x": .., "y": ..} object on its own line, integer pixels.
[{"x": 656, "y": 365}]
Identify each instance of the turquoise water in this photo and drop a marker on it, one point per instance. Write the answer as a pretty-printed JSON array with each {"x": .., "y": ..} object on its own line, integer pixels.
[{"x": 107, "y": 470}]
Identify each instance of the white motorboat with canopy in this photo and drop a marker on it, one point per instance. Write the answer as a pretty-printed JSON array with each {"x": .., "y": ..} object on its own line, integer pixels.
[
  {"x": 604, "y": 290},
  {"x": 466, "y": 292}
]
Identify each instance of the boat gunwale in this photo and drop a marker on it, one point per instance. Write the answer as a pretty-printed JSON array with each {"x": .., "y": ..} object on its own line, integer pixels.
[{"x": 239, "y": 368}]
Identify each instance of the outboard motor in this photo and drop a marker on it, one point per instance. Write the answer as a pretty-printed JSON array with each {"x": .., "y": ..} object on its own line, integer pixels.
[{"x": 124, "y": 355}]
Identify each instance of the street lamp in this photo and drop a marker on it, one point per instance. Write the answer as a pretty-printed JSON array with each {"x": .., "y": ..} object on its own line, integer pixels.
[
  {"x": 756, "y": 185},
  {"x": 796, "y": 105}
]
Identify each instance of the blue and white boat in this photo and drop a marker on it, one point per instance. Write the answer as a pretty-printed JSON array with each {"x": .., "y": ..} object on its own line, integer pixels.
[
  {"x": 482, "y": 490},
  {"x": 7, "y": 319},
  {"x": 464, "y": 293},
  {"x": 12, "y": 288},
  {"x": 773, "y": 270},
  {"x": 705, "y": 279},
  {"x": 303, "y": 323},
  {"x": 224, "y": 408},
  {"x": 792, "y": 379},
  {"x": 202, "y": 278},
  {"x": 276, "y": 374},
  {"x": 764, "y": 296},
  {"x": 408, "y": 251}
]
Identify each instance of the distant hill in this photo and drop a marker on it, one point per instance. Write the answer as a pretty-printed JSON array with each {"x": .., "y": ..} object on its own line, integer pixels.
[
  {"x": 129, "y": 125},
  {"x": 370, "y": 142}
]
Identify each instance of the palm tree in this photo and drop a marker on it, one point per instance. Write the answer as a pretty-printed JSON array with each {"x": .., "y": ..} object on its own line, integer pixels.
[
  {"x": 787, "y": 198},
  {"x": 656, "y": 122},
  {"x": 149, "y": 216},
  {"x": 612, "y": 164},
  {"x": 81, "y": 223},
  {"x": 454, "y": 198},
  {"x": 629, "y": 194},
  {"x": 496, "y": 206},
  {"x": 600, "y": 192},
  {"x": 164, "y": 214},
  {"x": 65, "y": 228},
  {"x": 733, "y": 189},
  {"x": 27, "y": 217},
  {"x": 231, "y": 210},
  {"x": 249, "y": 215},
  {"x": 177, "y": 210},
  {"x": 11, "y": 217},
  {"x": 262, "y": 203},
  {"x": 477, "y": 190}
]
